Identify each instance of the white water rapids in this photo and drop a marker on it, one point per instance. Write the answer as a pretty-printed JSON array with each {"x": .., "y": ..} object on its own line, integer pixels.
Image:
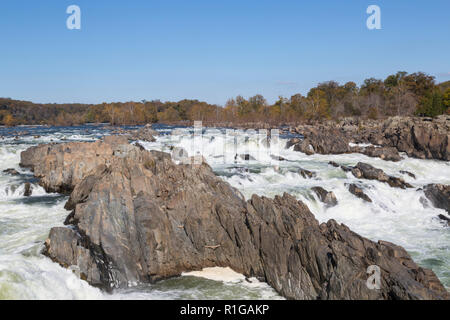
[{"x": 396, "y": 215}]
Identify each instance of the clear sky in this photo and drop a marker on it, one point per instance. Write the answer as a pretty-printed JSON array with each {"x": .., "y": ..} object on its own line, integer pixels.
[{"x": 211, "y": 50}]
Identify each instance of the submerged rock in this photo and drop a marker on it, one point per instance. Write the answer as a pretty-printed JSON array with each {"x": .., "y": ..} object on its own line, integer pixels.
[
  {"x": 138, "y": 217},
  {"x": 439, "y": 195}
]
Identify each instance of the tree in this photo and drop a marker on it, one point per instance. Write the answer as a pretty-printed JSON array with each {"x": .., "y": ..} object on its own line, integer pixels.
[
  {"x": 8, "y": 120},
  {"x": 431, "y": 104}
]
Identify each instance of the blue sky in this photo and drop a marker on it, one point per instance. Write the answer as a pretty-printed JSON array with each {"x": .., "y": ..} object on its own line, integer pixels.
[{"x": 211, "y": 50}]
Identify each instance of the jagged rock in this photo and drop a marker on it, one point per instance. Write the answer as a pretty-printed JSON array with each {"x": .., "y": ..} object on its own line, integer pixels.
[
  {"x": 145, "y": 134},
  {"x": 245, "y": 157},
  {"x": 384, "y": 153},
  {"x": 353, "y": 188},
  {"x": 292, "y": 142},
  {"x": 70, "y": 162},
  {"x": 334, "y": 164},
  {"x": 323, "y": 141},
  {"x": 439, "y": 195},
  {"x": 306, "y": 173},
  {"x": 278, "y": 158},
  {"x": 344, "y": 168},
  {"x": 366, "y": 171},
  {"x": 412, "y": 175},
  {"x": 11, "y": 171},
  {"x": 28, "y": 190},
  {"x": 140, "y": 218},
  {"x": 444, "y": 218},
  {"x": 325, "y": 196}
]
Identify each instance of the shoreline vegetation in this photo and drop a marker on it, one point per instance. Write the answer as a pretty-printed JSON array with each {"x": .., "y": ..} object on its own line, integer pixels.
[{"x": 400, "y": 94}]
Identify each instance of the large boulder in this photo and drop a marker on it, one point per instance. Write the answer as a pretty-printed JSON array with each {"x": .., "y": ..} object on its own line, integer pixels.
[
  {"x": 367, "y": 171},
  {"x": 415, "y": 136},
  {"x": 139, "y": 217},
  {"x": 146, "y": 133},
  {"x": 62, "y": 166},
  {"x": 439, "y": 195}
]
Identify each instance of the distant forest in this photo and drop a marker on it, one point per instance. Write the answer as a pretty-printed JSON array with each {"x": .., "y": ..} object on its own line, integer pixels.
[{"x": 399, "y": 94}]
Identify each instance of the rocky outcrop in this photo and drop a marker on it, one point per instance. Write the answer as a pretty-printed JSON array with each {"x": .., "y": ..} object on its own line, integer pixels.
[
  {"x": 423, "y": 138},
  {"x": 325, "y": 196},
  {"x": 11, "y": 171},
  {"x": 384, "y": 153},
  {"x": 366, "y": 171},
  {"x": 306, "y": 173},
  {"x": 418, "y": 138},
  {"x": 28, "y": 189},
  {"x": 445, "y": 219},
  {"x": 353, "y": 188},
  {"x": 412, "y": 175},
  {"x": 147, "y": 133},
  {"x": 138, "y": 217},
  {"x": 439, "y": 195},
  {"x": 61, "y": 166},
  {"x": 321, "y": 140}
]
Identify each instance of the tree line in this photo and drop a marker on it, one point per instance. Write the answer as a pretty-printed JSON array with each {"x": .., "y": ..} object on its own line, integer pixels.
[{"x": 399, "y": 94}]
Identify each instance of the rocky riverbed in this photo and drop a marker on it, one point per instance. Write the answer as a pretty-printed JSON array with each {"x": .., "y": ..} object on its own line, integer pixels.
[
  {"x": 139, "y": 217},
  {"x": 136, "y": 217}
]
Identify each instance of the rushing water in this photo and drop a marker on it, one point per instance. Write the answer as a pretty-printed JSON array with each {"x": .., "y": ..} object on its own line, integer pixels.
[{"x": 396, "y": 215}]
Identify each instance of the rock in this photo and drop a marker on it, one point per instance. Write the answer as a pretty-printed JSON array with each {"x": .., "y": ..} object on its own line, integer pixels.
[
  {"x": 323, "y": 140},
  {"x": 145, "y": 134},
  {"x": 245, "y": 157},
  {"x": 344, "y": 168},
  {"x": 138, "y": 217},
  {"x": 412, "y": 175},
  {"x": 11, "y": 171},
  {"x": 384, "y": 153},
  {"x": 28, "y": 190},
  {"x": 70, "y": 162},
  {"x": 292, "y": 142},
  {"x": 418, "y": 138},
  {"x": 439, "y": 195},
  {"x": 306, "y": 173},
  {"x": 325, "y": 196},
  {"x": 358, "y": 192},
  {"x": 444, "y": 218},
  {"x": 334, "y": 164},
  {"x": 366, "y": 171},
  {"x": 277, "y": 158}
]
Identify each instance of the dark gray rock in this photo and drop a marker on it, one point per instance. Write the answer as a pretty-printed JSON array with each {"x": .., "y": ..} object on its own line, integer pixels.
[
  {"x": 353, "y": 188},
  {"x": 28, "y": 190},
  {"x": 325, "y": 196},
  {"x": 367, "y": 171},
  {"x": 444, "y": 218},
  {"x": 412, "y": 175},
  {"x": 141, "y": 218},
  {"x": 439, "y": 195},
  {"x": 307, "y": 174},
  {"x": 11, "y": 171}
]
